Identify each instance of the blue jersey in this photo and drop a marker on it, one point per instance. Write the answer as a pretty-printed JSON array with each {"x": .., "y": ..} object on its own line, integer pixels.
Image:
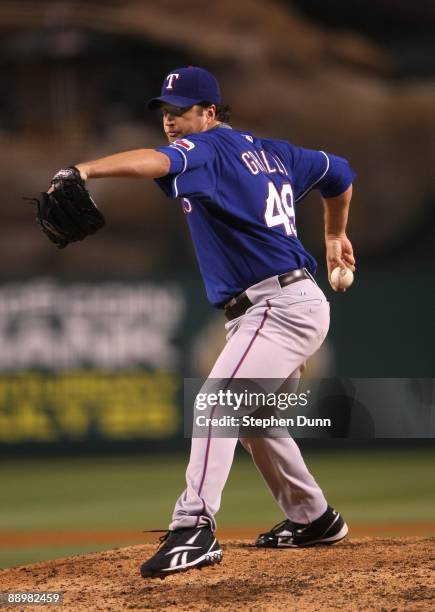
[{"x": 239, "y": 193}]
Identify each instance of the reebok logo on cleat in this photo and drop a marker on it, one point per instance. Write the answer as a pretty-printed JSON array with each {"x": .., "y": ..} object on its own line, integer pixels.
[{"x": 180, "y": 552}]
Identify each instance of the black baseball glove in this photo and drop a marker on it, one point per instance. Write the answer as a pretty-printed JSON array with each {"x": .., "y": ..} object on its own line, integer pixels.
[{"x": 67, "y": 213}]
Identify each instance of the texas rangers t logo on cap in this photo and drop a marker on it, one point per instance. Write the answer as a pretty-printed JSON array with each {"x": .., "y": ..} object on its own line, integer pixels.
[
  {"x": 184, "y": 87},
  {"x": 170, "y": 78}
]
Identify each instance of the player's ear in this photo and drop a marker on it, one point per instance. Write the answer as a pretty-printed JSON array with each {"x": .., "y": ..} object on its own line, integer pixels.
[{"x": 211, "y": 111}]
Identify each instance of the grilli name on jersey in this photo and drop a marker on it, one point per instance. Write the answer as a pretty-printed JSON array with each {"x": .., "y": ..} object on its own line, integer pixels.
[{"x": 262, "y": 162}]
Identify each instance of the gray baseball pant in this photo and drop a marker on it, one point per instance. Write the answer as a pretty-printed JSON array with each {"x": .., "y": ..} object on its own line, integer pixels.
[{"x": 272, "y": 340}]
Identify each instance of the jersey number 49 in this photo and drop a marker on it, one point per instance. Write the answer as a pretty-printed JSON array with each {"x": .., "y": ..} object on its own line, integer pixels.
[{"x": 280, "y": 208}]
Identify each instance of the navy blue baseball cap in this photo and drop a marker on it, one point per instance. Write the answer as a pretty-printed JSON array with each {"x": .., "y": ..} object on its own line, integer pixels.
[{"x": 185, "y": 87}]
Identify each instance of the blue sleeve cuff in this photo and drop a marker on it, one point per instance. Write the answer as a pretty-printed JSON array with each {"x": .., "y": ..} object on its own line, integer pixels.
[
  {"x": 338, "y": 177},
  {"x": 177, "y": 158}
]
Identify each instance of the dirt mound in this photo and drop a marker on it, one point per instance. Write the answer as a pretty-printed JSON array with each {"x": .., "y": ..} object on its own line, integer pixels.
[{"x": 357, "y": 574}]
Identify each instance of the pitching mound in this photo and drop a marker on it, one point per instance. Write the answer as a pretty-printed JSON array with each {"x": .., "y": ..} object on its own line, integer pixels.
[{"x": 357, "y": 574}]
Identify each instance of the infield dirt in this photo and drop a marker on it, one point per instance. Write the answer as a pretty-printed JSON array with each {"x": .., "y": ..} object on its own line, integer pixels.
[{"x": 394, "y": 574}]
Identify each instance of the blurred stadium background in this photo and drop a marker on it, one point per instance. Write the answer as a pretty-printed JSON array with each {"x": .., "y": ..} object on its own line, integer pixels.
[{"x": 96, "y": 339}]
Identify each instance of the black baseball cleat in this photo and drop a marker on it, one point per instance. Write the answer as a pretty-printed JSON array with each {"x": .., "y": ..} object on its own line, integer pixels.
[
  {"x": 327, "y": 529},
  {"x": 181, "y": 550}
]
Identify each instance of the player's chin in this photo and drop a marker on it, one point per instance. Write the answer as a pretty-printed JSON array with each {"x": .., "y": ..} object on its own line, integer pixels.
[{"x": 172, "y": 136}]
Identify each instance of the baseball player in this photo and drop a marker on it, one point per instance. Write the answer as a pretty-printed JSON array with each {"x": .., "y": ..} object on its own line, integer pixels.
[{"x": 238, "y": 193}]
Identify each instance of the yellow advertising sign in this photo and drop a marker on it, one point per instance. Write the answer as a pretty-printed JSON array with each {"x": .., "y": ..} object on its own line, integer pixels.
[{"x": 88, "y": 404}]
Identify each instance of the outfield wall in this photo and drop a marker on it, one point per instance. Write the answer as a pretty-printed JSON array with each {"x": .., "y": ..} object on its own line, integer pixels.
[{"x": 100, "y": 365}]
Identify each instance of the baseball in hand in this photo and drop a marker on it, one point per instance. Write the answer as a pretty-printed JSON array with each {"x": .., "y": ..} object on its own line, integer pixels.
[{"x": 341, "y": 280}]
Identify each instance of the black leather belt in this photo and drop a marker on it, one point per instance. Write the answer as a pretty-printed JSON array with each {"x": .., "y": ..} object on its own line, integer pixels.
[{"x": 240, "y": 304}]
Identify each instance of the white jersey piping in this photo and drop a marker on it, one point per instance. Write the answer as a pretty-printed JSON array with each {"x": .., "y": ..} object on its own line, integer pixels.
[
  {"x": 180, "y": 173},
  {"x": 315, "y": 182}
]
